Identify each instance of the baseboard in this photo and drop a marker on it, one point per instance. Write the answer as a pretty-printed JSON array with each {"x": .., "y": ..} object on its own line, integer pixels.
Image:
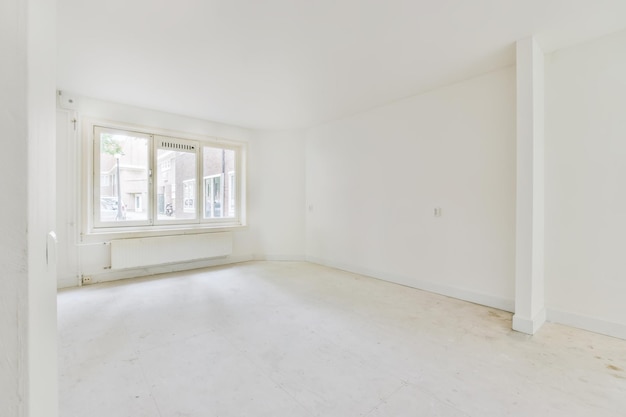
[
  {"x": 67, "y": 282},
  {"x": 449, "y": 291},
  {"x": 280, "y": 258},
  {"x": 529, "y": 325},
  {"x": 591, "y": 324}
]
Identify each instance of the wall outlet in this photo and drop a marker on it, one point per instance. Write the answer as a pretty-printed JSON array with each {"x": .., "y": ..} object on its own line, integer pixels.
[{"x": 86, "y": 279}]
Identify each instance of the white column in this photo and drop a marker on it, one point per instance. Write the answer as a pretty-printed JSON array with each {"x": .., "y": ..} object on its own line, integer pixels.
[
  {"x": 530, "y": 313},
  {"x": 28, "y": 327},
  {"x": 42, "y": 379},
  {"x": 13, "y": 221}
]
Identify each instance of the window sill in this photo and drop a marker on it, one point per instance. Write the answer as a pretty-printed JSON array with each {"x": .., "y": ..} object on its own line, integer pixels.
[{"x": 103, "y": 235}]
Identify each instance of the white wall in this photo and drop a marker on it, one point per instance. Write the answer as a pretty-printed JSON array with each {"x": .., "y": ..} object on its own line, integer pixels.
[
  {"x": 276, "y": 194},
  {"x": 275, "y": 197},
  {"x": 13, "y": 258},
  {"x": 42, "y": 306},
  {"x": 374, "y": 179},
  {"x": 586, "y": 185},
  {"x": 28, "y": 372}
]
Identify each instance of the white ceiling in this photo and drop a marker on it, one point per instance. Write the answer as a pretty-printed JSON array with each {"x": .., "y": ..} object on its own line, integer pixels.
[{"x": 280, "y": 64}]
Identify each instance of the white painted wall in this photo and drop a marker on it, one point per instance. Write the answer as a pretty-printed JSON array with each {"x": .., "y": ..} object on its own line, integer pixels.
[
  {"x": 67, "y": 223},
  {"x": 28, "y": 355},
  {"x": 13, "y": 256},
  {"x": 275, "y": 195},
  {"x": 42, "y": 284},
  {"x": 586, "y": 185},
  {"x": 374, "y": 179}
]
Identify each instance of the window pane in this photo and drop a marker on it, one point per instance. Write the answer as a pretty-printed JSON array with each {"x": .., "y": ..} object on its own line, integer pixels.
[
  {"x": 123, "y": 177},
  {"x": 176, "y": 185},
  {"x": 218, "y": 172}
]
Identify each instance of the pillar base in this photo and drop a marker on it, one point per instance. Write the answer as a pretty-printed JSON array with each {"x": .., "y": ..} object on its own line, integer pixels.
[{"x": 529, "y": 326}]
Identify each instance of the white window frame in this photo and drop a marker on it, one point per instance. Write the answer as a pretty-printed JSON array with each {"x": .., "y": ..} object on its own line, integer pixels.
[
  {"x": 232, "y": 193},
  {"x": 91, "y": 185},
  {"x": 97, "y": 178},
  {"x": 175, "y": 144}
]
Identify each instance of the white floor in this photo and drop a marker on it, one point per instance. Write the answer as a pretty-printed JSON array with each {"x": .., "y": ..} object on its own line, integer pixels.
[{"x": 296, "y": 339}]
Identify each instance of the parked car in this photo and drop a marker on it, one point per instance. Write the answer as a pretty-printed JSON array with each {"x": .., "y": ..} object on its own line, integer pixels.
[{"x": 109, "y": 210}]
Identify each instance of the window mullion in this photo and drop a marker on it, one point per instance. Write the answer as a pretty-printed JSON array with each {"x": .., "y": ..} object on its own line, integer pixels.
[
  {"x": 199, "y": 184},
  {"x": 151, "y": 188}
]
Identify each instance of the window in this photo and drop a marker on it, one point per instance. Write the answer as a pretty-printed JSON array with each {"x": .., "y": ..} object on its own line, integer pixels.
[
  {"x": 189, "y": 196},
  {"x": 216, "y": 163},
  {"x": 177, "y": 162},
  {"x": 123, "y": 165},
  {"x": 138, "y": 203},
  {"x": 147, "y": 180},
  {"x": 231, "y": 194},
  {"x": 212, "y": 196}
]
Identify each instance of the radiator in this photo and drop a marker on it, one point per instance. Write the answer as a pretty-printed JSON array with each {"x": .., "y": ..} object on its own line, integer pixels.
[{"x": 132, "y": 253}]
